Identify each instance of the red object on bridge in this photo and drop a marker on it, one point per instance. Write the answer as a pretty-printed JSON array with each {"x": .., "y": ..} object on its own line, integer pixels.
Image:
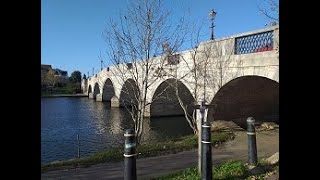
[{"x": 266, "y": 48}]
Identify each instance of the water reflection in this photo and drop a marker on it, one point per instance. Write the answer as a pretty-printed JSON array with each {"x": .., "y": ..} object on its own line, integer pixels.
[{"x": 99, "y": 127}]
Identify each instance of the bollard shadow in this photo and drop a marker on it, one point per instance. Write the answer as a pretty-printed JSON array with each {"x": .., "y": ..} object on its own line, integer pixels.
[{"x": 261, "y": 169}]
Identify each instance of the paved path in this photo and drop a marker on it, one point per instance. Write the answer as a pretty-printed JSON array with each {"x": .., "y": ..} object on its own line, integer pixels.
[{"x": 267, "y": 144}]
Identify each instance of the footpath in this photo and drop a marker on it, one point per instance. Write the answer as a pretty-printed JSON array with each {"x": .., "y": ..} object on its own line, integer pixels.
[{"x": 267, "y": 145}]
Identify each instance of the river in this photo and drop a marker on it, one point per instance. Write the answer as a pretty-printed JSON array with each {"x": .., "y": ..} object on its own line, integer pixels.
[{"x": 98, "y": 126}]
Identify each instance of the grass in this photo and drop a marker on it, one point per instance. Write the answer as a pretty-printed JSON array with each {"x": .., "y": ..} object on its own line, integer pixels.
[
  {"x": 232, "y": 170},
  {"x": 229, "y": 170},
  {"x": 145, "y": 150},
  {"x": 112, "y": 155}
]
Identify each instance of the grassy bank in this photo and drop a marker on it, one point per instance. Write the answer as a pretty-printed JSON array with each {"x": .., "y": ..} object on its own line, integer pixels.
[
  {"x": 144, "y": 150},
  {"x": 69, "y": 88},
  {"x": 57, "y": 90},
  {"x": 227, "y": 171}
]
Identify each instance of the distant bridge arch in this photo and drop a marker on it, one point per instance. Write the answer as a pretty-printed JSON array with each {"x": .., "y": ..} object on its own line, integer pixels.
[
  {"x": 89, "y": 90},
  {"x": 108, "y": 90},
  {"x": 96, "y": 90},
  {"x": 165, "y": 101},
  {"x": 129, "y": 93}
]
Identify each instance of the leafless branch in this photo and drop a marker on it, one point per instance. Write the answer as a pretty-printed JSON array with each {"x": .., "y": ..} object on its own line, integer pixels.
[{"x": 136, "y": 40}]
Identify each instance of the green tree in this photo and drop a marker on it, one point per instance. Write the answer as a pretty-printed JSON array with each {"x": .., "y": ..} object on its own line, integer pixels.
[
  {"x": 84, "y": 76},
  {"x": 75, "y": 77}
]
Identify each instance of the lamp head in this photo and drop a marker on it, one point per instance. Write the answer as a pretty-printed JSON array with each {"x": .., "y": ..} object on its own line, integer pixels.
[{"x": 212, "y": 14}]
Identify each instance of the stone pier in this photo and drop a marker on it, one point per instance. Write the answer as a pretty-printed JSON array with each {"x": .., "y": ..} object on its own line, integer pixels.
[
  {"x": 115, "y": 102},
  {"x": 99, "y": 97}
]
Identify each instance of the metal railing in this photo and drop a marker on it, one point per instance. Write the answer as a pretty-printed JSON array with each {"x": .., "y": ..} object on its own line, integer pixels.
[
  {"x": 78, "y": 146},
  {"x": 254, "y": 43}
]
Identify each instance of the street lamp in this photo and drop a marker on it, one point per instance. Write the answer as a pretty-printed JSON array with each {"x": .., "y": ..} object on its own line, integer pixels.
[
  {"x": 212, "y": 14},
  {"x": 203, "y": 108}
]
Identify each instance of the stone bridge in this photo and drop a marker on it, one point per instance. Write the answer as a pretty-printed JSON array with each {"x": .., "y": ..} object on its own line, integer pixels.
[{"x": 238, "y": 74}]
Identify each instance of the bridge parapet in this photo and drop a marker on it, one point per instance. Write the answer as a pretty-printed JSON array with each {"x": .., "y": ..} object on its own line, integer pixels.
[{"x": 250, "y": 53}]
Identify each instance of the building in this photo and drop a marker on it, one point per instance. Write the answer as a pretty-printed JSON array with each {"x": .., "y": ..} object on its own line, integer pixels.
[
  {"x": 45, "y": 69},
  {"x": 61, "y": 73}
]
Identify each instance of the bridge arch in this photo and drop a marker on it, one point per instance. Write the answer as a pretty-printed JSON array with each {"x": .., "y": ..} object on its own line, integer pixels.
[
  {"x": 96, "y": 90},
  {"x": 89, "y": 89},
  {"x": 108, "y": 90},
  {"x": 165, "y": 101},
  {"x": 246, "y": 96},
  {"x": 129, "y": 93}
]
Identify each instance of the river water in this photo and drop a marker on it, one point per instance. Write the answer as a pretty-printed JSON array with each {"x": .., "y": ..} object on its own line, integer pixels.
[{"x": 98, "y": 127}]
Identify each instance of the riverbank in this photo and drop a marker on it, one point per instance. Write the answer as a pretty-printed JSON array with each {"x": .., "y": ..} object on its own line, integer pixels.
[
  {"x": 153, "y": 167},
  {"x": 64, "y": 95},
  {"x": 145, "y": 150}
]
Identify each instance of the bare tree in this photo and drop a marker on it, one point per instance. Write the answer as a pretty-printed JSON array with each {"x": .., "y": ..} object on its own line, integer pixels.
[
  {"x": 206, "y": 66},
  {"x": 209, "y": 65},
  {"x": 135, "y": 43},
  {"x": 270, "y": 9},
  {"x": 221, "y": 65},
  {"x": 51, "y": 78},
  {"x": 196, "y": 75}
]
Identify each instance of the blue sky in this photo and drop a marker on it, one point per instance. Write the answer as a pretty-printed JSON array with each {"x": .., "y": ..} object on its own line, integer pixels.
[{"x": 71, "y": 30}]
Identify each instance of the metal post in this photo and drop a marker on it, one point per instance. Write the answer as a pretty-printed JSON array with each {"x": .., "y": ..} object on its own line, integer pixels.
[
  {"x": 78, "y": 140},
  {"x": 206, "y": 152},
  {"x": 101, "y": 64},
  {"x": 130, "y": 172},
  {"x": 252, "y": 146},
  {"x": 204, "y": 83},
  {"x": 201, "y": 112},
  {"x": 212, "y": 36},
  {"x": 212, "y": 14}
]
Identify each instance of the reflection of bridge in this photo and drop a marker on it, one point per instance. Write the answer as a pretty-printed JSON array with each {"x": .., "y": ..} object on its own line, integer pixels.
[{"x": 249, "y": 83}]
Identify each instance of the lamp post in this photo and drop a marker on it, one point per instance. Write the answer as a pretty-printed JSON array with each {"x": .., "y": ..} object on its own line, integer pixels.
[
  {"x": 212, "y": 14},
  {"x": 101, "y": 64}
]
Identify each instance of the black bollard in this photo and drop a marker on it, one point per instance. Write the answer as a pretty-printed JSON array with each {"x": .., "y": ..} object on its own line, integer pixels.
[
  {"x": 130, "y": 172},
  {"x": 202, "y": 111},
  {"x": 252, "y": 145},
  {"x": 206, "y": 170}
]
